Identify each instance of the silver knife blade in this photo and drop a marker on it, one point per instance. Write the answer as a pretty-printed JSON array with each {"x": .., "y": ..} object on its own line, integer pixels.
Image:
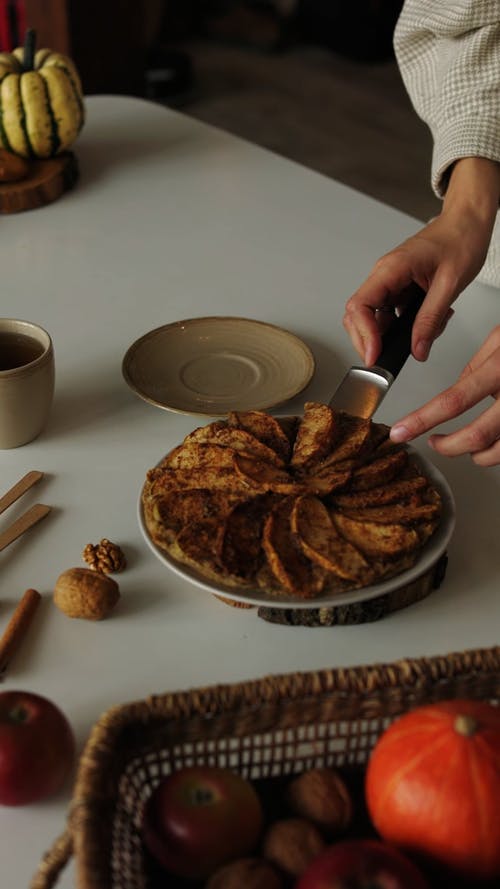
[{"x": 362, "y": 390}]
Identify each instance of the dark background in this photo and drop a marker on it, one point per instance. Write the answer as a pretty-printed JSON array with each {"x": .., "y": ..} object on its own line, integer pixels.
[
  {"x": 313, "y": 80},
  {"x": 110, "y": 40}
]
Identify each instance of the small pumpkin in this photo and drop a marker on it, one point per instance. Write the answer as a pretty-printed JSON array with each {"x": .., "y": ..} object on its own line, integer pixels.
[
  {"x": 433, "y": 785},
  {"x": 41, "y": 101}
]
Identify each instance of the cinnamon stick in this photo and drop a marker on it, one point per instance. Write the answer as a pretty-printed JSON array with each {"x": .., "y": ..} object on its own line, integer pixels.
[{"x": 18, "y": 626}]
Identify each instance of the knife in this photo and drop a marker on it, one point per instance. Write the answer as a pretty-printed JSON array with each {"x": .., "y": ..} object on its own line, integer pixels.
[{"x": 363, "y": 388}]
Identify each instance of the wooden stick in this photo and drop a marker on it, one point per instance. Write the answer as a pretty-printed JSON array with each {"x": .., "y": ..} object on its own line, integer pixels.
[
  {"x": 19, "y": 488},
  {"x": 18, "y": 626},
  {"x": 22, "y": 524}
]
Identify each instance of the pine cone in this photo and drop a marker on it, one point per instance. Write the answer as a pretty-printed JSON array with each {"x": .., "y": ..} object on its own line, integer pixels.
[{"x": 106, "y": 557}]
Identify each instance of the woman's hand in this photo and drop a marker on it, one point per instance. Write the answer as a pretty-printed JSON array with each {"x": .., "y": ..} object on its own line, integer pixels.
[
  {"x": 442, "y": 258},
  {"x": 480, "y": 438}
]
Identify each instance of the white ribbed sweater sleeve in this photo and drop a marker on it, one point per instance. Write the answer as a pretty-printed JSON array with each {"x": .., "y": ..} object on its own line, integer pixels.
[{"x": 448, "y": 52}]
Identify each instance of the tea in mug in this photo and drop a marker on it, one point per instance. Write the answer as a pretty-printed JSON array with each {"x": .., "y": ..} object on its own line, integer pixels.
[{"x": 18, "y": 349}]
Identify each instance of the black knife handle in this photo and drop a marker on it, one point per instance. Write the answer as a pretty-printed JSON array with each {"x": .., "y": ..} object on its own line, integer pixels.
[{"x": 396, "y": 341}]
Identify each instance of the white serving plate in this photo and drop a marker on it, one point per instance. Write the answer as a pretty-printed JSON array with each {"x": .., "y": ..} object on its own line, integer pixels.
[{"x": 429, "y": 555}]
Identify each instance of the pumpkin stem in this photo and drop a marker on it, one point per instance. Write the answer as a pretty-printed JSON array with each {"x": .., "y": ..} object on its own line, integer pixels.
[
  {"x": 465, "y": 725},
  {"x": 29, "y": 49}
]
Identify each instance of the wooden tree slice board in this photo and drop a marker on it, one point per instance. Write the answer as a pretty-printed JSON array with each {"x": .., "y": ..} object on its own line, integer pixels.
[
  {"x": 46, "y": 182},
  {"x": 362, "y": 612},
  {"x": 358, "y": 612}
]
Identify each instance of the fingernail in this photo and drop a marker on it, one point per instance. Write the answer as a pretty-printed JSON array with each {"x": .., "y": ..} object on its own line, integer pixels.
[
  {"x": 422, "y": 349},
  {"x": 434, "y": 440},
  {"x": 400, "y": 433}
]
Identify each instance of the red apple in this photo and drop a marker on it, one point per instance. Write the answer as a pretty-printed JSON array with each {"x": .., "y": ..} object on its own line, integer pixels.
[
  {"x": 361, "y": 864},
  {"x": 201, "y": 817},
  {"x": 37, "y": 748}
]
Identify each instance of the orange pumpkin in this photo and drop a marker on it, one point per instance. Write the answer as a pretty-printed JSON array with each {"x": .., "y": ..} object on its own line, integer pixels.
[{"x": 433, "y": 785}]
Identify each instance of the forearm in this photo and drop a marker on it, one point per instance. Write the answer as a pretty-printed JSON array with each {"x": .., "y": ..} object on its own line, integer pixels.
[{"x": 473, "y": 192}]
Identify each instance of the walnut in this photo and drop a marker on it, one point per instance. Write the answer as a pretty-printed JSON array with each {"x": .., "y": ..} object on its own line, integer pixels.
[
  {"x": 292, "y": 844},
  {"x": 321, "y": 796},
  {"x": 105, "y": 556},
  {"x": 250, "y": 873},
  {"x": 81, "y": 592}
]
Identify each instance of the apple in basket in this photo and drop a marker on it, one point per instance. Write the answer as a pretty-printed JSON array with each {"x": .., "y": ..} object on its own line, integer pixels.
[
  {"x": 37, "y": 748},
  {"x": 361, "y": 864},
  {"x": 199, "y": 818}
]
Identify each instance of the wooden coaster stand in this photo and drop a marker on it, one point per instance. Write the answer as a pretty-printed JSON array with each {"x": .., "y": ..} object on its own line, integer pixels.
[
  {"x": 361, "y": 612},
  {"x": 46, "y": 181}
]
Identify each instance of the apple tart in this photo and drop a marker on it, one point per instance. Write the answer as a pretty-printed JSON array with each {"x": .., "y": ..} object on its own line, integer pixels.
[{"x": 295, "y": 506}]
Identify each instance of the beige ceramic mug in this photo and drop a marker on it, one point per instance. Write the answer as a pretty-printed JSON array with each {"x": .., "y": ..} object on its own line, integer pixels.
[{"x": 26, "y": 381}]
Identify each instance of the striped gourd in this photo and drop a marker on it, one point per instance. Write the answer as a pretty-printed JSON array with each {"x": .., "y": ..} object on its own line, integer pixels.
[{"x": 41, "y": 101}]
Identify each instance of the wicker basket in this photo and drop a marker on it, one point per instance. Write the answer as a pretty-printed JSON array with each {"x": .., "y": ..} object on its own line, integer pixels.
[{"x": 274, "y": 726}]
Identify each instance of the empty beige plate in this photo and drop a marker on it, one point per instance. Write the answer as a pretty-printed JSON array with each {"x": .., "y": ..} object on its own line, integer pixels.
[{"x": 214, "y": 365}]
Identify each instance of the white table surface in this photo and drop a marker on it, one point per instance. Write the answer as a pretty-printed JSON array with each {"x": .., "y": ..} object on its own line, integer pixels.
[{"x": 173, "y": 219}]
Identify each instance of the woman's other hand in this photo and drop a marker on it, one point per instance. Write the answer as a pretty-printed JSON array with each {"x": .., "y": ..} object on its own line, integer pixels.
[{"x": 480, "y": 438}]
